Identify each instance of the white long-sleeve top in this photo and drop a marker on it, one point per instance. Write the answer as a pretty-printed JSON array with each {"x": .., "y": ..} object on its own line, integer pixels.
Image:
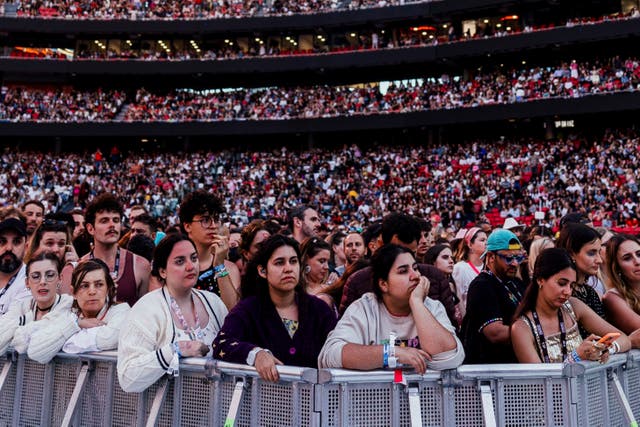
[
  {"x": 368, "y": 322},
  {"x": 17, "y": 325},
  {"x": 49, "y": 338},
  {"x": 145, "y": 349}
]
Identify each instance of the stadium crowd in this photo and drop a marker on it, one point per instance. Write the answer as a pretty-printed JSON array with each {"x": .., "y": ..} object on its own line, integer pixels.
[
  {"x": 568, "y": 79},
  {"x": 351, "y": 187},
  {"x": 389, "y": 38},
  {"x": 181, "y": 9}
]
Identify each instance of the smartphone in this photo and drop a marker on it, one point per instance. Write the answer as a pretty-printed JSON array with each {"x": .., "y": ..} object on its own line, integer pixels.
[{"x": 608, "y": 339}]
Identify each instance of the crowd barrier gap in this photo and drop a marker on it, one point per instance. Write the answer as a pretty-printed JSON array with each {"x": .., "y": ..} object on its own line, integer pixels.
[{"x": 84, "y": 391}]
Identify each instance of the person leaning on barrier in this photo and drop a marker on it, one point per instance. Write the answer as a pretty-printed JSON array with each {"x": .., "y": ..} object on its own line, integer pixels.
[
  {"x": 545, "y": 327},
  {"x": 397, "y": 322},
  {"x": 43, "y": 280},
  {"x": 171, "y": 322},
  {"x": 622, "y": 300},
  {"x": 276, "y": 322},
  {"x": 92, "y": 324}
]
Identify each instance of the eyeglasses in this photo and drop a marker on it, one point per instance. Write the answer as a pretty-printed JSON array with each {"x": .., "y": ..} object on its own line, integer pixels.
[
  {"x": 49, "y": 276},
  {"x": 509, "y": 259},
  {"x": 206, "y": 221}
]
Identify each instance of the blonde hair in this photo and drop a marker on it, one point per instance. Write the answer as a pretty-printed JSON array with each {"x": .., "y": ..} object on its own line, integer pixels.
[
  {"x": 538, "y": 246},
  {"x": 616, "y": 277}
]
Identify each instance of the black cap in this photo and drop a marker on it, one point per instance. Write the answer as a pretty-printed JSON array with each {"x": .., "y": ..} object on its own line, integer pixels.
[
  {"x": 574, "y": 218},
  {"x": 13, "y": 224}
]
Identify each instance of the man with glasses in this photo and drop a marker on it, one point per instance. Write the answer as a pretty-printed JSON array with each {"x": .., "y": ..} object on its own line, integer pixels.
[
  {"x": 492, "y": 300},
  {"x": 200, "y": 218},
  {"x": 13, "y": 287}
]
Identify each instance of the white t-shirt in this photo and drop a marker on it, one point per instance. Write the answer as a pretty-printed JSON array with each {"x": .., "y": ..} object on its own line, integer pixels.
[
  {"x": 463, "y": 274},
  {"x": 16, "y": 293}
]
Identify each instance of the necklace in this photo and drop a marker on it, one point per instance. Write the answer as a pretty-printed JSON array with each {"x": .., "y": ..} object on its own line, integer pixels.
[
  {"x": 195, "y": 333},
  {"x": 116, "y": 266}
]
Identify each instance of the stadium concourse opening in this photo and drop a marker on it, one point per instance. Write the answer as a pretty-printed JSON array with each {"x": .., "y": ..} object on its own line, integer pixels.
[{"x": 545, "y": 128}]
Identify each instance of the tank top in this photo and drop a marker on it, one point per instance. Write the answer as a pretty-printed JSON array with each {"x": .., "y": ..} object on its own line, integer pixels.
[
  {"x": 554, "y": 346},
  {"x": 126, "y": 286},
  {"x": 207, "y": 281}
]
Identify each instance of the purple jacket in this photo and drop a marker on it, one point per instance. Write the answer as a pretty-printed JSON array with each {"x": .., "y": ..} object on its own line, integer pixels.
[{"x": 254, "y": 321}]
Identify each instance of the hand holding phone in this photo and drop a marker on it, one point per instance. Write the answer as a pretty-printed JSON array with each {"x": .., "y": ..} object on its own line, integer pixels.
[{"x": 608, "y": 339}]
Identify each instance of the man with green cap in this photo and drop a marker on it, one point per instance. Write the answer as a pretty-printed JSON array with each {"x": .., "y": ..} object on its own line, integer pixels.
[{"x": 492, "y": 300}]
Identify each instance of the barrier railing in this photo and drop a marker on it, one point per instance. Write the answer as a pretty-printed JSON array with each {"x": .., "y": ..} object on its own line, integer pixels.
[{"x": 84, "y": 391}]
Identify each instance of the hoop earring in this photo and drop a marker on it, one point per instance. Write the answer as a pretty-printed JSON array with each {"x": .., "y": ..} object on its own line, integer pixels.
[{"x": 307, "y": 269}]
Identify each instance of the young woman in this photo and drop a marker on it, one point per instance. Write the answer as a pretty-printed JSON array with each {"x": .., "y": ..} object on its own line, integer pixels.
[
  {"x": 279, "y": 323},
  {"x": 536, "y": 247},
  {"x": 622, "y": 301},
  {"x": 54, "y": 236},
  {"x": 169, "y": 323},
  {"x": 395, "y": 323},
  {"x": 43, "y": 280},
  {"x": 337, "y": 258},
  {"x": 583, "y": 245},
  {"x": 315, "y": 265},
  {"x": 469, "y": 264},
  {"x": 546, "y": 325},
  {"x": 94, "y": 322},
  {"x": 440, "y": 256},
  {"x": 251, "y": 237}
]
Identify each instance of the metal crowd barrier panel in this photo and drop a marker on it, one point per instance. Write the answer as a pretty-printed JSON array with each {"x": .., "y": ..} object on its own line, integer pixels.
[{"x": 84, "y": 391}]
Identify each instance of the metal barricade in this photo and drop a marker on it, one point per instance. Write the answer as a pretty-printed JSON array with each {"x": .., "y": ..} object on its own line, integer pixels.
[
  {"x": 374, "y": 399},
  {"x": 84, "y": 391},
  {"x": 290, "y": 402}
]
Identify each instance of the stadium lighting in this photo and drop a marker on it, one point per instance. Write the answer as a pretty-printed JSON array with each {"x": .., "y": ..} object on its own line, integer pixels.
[
  {"x": 486, "y": 21},
  {"x": 352, "y": 34}
]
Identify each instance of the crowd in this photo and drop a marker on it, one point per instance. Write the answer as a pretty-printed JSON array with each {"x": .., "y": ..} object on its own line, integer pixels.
[
  {"x": 386, "y": 38},
  {"x": 279, "y": 292},
  {"x": 479, "y": 179},
  {"x": 181, "y": 9},
  {"x": 568, "y": 80}
]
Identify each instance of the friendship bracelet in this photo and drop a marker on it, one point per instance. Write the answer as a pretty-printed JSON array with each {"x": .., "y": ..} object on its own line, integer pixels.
[
  {"x": 224, "y": 273},
  {"x": 219, "y": 268}
]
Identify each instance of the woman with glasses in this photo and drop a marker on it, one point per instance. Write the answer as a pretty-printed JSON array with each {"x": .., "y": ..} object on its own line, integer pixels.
[
  {"x": 92, "y": 324},
  {"x": 43, "y": 280},
  {"x": 396, "y": 324},
  {"x": 545, "y": 327},
  {"x": 583, "y": 245},
  {"x": 54, "y": 236}
]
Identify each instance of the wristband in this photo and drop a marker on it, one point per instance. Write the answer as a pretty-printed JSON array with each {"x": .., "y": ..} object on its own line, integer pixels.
[
  {"x": 176, "y": 349},
  {"x": 575, "y": 357},
  {"x": 219, "y": 268},
  {"x": 615, "y": 347},
  {"x": 385, "y": 355},
  {"x": 224, "y": 273},
  {"x": 393, "y": 360}
]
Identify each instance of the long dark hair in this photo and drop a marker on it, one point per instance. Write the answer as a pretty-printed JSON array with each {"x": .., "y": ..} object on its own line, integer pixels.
[
  {"x": 550, "y": 261},
  {"x": 88, "y": 266},
  {"x": 254, "y": 284}
]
